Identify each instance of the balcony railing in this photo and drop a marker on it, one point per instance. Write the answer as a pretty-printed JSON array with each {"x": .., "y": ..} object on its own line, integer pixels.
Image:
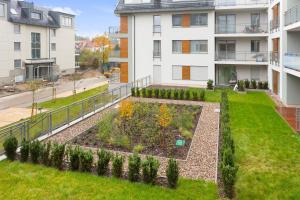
[
  {"x": 275, "y": 24},
  {"x": 274, "y": 58},
  {"x": 292, "y": 61},
  {"x": 241, "y": 28},
  {"x": 242, "y": 56},
  {"x": 292, "y": 15},
  {"x": 112, "y": 30},
  {"x": 240, "y": 2}
]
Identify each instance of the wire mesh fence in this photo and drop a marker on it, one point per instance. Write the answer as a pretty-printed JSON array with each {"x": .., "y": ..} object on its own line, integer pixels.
[{"x": 46, "y": 123}]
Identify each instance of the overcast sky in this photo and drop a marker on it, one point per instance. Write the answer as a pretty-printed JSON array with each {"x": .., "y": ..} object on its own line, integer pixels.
[{"x": 93, "y": 16}]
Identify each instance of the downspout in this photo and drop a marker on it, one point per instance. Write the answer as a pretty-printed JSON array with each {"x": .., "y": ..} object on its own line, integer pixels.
[{"x": 134, "y": 75}]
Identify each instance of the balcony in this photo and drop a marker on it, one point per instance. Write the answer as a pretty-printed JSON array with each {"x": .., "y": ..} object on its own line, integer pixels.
[
  {"x": 115, "y": 32},
  {"x": 292, "y": 18},
  {"x": 241, "y": 29},
  {"x": 118, "y": 56},
  {"x": 292, "y": 61},
  {"x": 241, "y": 3},
  {"x": 275, "y": 25},
  {"x": 275, "y": 58},
  {"x": 230, "y": 57}
]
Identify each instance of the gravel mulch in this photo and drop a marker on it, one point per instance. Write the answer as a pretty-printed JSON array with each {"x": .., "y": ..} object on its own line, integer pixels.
[{"x": 202, "y": 159}]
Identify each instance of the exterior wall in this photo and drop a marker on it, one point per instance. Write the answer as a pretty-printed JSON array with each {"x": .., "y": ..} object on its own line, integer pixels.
[
  {"x": 144, "y": 38},
  {"x": 293, "y": 94}
]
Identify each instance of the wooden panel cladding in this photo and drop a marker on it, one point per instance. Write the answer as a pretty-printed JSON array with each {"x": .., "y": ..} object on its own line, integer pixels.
[
  {"x": 186, "y": 73},
  {"x": 275, "y": 82},
  {"x": 186, "y": 20},
  {"x": 186, "y": 46},
  {"x": 124, "y": 72},
  {"x": 276, "y": 11},
  {"x": 276, "y": 44},
  {"x": 124, "y": 47},
  {"x": 124, "y": 24}
]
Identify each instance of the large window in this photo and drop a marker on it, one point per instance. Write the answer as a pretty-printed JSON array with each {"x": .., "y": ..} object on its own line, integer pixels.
[
  {"x": 2, "y": 10},
  {"x": 35, "y": 45},
  {"x": 17, "y": 46},
  {"x": 199, "y": 19},
  {"x": 177, "y": 46},
  {"x": 255, "y": 19},
  {"x": 199, "y": 46},
  {"x": 193, "y": 73},
  {"x": 255, "y": 46},
  {"x": 177, "y": 20},
  {"x": 156, "y": 24},
  {"x": 67, "y": 21},
  {"x": 35, "y": 15},
  {"x": 177, "y": 72},
  {"x": 17, "y": 64},
  {"x": 156, "y": 48}
]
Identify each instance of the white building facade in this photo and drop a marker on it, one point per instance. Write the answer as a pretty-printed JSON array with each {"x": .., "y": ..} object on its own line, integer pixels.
[
  {"x": 35, "y": 43},
  {"x": 186, "y": 43}
]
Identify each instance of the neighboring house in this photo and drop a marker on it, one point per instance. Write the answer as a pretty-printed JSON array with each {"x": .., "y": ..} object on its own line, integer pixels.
[
  {"x": 35, "y": 42},
  {"x": 181, "y": 42}
]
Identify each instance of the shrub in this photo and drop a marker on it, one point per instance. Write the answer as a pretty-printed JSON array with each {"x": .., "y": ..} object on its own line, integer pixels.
[
  {"x": 253, "y": 84},
  {"x": 150, "y": 168},
  {"x": 105, "y": 127},
  {"x": 229, "y": 178},
  {"x": 176, "y": 94},
  {"x": 74, "y": 156},
  {"x": 162, "y": 94},
  {"x": 86, "y": 161},
  {"x": 169, "y": 94},
  {"x": 134, "y": 165},
  {"x": 133, "y": 92},
  {"x": 138, "y": 92},
  {"x": 202, "y": 95},
  {"x": 138, "y": 148},
  {"x": 210, "y": 84},
  {"x": 260, "y": 85},
  {"x": 181, "y": 94},
  {"x": 144, "y": 92},
  {"x": 247, "y": 84},
  {"x": 187, "y": 94},
  {"x": 10, "y": 146},
  {"x": 24, "y": 151},
  {"x": 172, "y": 173},
  {"x": 241, "y": 86},
  {"x": 149, "y": 93},
  {"x": 187, "y": 134},
  {"x": 57, "y": 155},
  {"x": 164, "y": 117},
  {"x": 103, "y": 162},
  {"x": 117, "y": 166},
  {"x": 45, "y": 154},
  {"x": 156, "y": 93},
  {"x": 195, "y": 96},
  {"x": 266, "y": 85},
  {"x": 35, "y": 150}
]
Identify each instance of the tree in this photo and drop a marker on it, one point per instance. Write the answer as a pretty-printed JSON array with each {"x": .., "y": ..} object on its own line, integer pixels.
[
  {"x": 34, "y": 86},
  {"x": 75, "y": 77},
  {"x": 104, "y": 45}
]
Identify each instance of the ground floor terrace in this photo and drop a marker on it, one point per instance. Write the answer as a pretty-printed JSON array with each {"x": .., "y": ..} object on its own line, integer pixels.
[{"x": 267, "y": 154}]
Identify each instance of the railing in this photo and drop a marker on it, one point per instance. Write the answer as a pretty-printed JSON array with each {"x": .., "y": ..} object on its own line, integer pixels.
[
  {"x": 242, "y": 56},
  {"x": 274, "y": 24},
  {"x": 240, "y": 2},
  {"x": 275, "y": 58},
  {"x": 292, "y": 61},
  {"x": 241, "y": 28},
  {"x": 292, "y": 15},
  {"x": 46, "y": 123}
]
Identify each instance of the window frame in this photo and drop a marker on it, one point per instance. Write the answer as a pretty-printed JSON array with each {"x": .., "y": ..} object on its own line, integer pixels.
[
  {"x": 158, "y": 55},
  {"x": 176, "y": 66},
  {"x": 67, "y": 21},
  {"x": 17, "y": 49},
  {"x": 35, "y": 45},
  {"x": 53, "y": 45},
  {"x": 175, "y": 52},
  {"x": 181, "y": 20},
  {"x": 19, "y": 62},
  {"x": 34, "y": 14},
  {"x": 201, "y": 42},
  {"x": 17, "y": 31},
  {"x": 255, "y": 46},
  {"x": 3, "y": 9},
  {"x": 201, "y": 15},
  {"x": 193, "y": 67}
]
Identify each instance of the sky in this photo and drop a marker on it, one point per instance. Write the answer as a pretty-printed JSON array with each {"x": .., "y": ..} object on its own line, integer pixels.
[{"x": 93, "y": 17}]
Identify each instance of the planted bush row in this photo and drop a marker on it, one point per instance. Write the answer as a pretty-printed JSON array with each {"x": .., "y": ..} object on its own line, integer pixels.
[
  {"x": 176, "y": 94},
  {"x": 80, "y": 160},
  {"x": 253, "y": 84},
  {"x": 227, "y": 164}
]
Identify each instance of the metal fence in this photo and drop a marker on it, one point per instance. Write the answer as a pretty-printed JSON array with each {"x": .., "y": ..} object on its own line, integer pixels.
[
  {"x": 47, "y": 123},
  {"x": 292, "y": 15}
]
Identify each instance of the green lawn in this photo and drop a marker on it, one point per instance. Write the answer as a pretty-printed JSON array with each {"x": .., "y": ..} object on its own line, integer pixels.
[
  {"x": 267, "y": 149},
  {"x": 26, "y": 181}
]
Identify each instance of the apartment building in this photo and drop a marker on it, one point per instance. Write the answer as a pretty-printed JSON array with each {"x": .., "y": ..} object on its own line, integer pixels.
[
  {"x": 35, "y": 42},
  {"x": 180, "y": 42}
]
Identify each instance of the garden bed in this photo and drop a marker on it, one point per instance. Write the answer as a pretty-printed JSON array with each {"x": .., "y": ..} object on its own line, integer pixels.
[{"x": 148, "y": 128}]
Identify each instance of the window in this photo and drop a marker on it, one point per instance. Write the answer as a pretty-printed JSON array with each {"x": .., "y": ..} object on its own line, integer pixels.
[
  {"x": 17, "y": 46},
  {"x": 199, "y": 73},
  {"x": 156, "y": 48},
  {"x": 177, "y": 46},
  {"x": 53, "y": 46},
  {"x": 17, "y": 64},
  {"x": 67, "y": 21},
  {"x": 177, "y": 72},
  {"x": 255, "y": 73},
  {"x": 35, "y": 15},
  {"x": 199, "y": 19},
  {"x": 35, "y": 45},
  {"x": 255, "y": 45},
  {"x": 54, "y": 59},
  {"x": 199, "y": 46},
  {"x": 53, "y": 32},
  {"x": 2, "y": 10},
  {"x": 177, "y": 20},
  {"x": 156, "y": 24},
  {"x": 17, "y": 28},
  {"x": 255, "y": 19}
]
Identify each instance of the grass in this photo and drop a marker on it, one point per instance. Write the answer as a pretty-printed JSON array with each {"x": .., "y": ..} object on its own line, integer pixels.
[
  {"x": 267, "y": 149},
  {"x": 27, "y": 181}
]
